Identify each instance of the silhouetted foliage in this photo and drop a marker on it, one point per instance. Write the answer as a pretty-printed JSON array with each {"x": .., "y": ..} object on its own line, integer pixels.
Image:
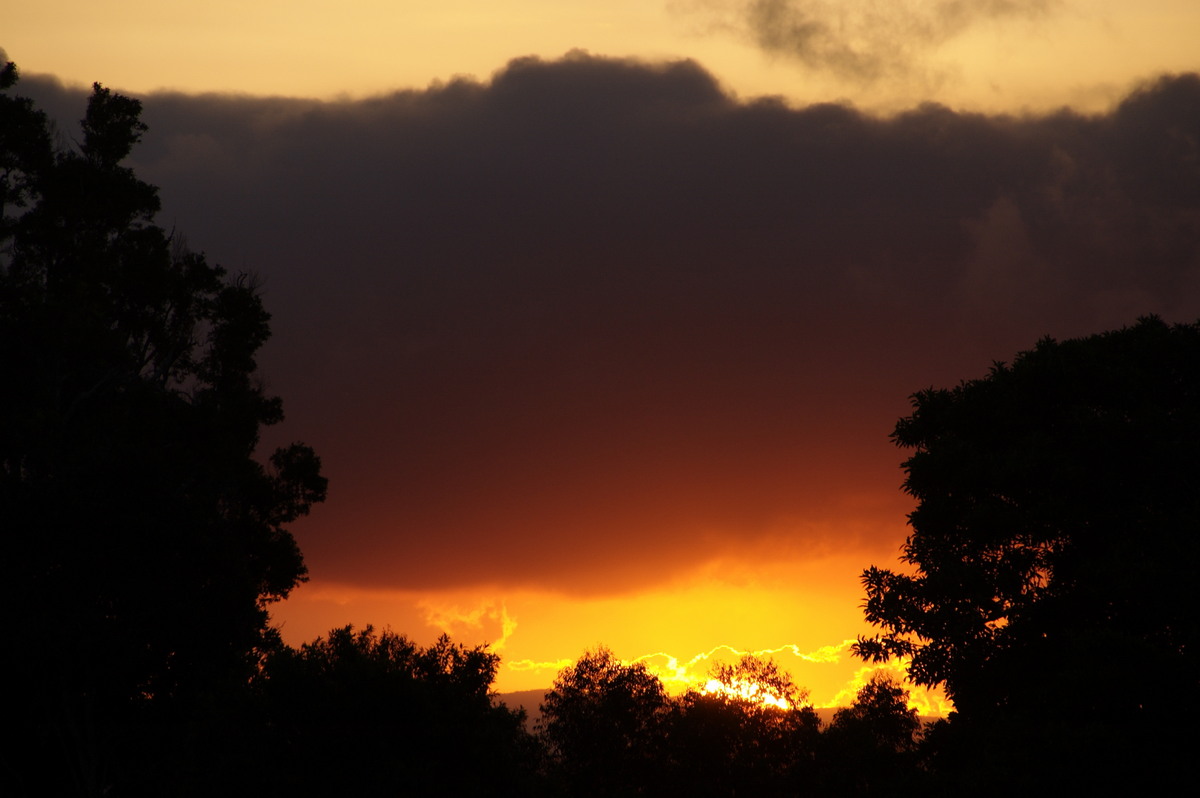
[
  {"x": 602, "y": 726},
  {"x": 870, "y": 747},
  {"x": 746, "y": 733},
  {"x": 880, "y": 712},
  {"x": 143, "y": 539},
  {"x": 609, "y": 729},
  {"x": 1057, "y": 502},
  {"x": 370, "y": 713}
]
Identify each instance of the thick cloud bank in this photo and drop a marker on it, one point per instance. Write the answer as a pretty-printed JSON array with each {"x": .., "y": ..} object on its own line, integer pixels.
[{"x": 595, "y": 322}]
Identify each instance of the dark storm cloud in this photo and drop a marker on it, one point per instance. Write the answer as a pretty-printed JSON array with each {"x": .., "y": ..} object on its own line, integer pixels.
[
  {"x": 595, "y": 321},
  {"x": 861, "y": 40}
]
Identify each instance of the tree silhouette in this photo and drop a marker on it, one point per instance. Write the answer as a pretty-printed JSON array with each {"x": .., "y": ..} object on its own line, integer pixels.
[
  {"x": 602, "y": 725},
  {"x": 744, "y": 733},
  {"x": 870, "y": 747},
  {"x": 1057, "y": 500},
  {"x": 144, "y": 540},
  {"x": 370, "y": 713}
]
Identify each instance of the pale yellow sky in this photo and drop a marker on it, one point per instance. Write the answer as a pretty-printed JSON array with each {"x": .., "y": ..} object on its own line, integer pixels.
[{"x": 1084, "y": 53}]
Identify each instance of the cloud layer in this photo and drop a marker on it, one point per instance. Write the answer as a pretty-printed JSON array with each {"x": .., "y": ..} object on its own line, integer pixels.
[{"x": 594, "y": 322}]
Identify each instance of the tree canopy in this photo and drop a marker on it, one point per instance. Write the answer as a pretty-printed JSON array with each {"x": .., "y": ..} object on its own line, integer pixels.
[
  {"x": 144, "y": 538},
  {"x": 602, "y": 725},
  {"x": 744, "y": 732},
  {"x": 871, "y": 746},
  {"x": 610, "y": 729},
  {"x": 366, "y": 712},
  {"x": 1057, "y": 503}
]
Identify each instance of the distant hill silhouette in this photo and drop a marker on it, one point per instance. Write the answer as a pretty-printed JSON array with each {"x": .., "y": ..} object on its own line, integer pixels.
[{"x": 528, "y": 700}]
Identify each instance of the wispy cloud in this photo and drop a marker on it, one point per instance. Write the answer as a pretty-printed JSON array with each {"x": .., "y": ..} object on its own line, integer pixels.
[
  {"x": 679, "y": 674},
  {"x": 931, "y": 703},
  {"x": 859, "y": 40},
  {"x": 455, "y": 621}
]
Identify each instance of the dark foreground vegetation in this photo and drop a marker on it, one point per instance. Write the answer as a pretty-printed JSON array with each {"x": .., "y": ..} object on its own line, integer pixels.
[{"x": 1048, "y": 585}]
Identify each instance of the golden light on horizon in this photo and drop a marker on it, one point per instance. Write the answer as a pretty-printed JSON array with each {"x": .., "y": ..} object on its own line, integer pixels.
[{"x": 679, "y": 631}]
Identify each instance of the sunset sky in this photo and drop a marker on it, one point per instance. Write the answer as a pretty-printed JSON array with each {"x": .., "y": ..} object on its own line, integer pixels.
[{"x": 600, "y": 313}]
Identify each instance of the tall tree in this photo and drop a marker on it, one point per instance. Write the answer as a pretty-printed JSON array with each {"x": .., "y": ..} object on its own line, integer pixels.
[
  {"x": 603, "y": 726},
  {"x": 143, "y": 538},
  {"x": 1057, "y": 502},
  {"x": 745, "y": 732},
  {"x": 870, "y": 747}
]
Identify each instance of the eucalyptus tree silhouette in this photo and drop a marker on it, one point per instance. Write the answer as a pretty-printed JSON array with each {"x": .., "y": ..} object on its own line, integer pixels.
[{"x": 143, "y": 537}]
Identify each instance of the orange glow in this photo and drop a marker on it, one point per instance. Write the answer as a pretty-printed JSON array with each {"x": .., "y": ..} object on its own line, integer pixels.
[{"x": 679, "y": 630}]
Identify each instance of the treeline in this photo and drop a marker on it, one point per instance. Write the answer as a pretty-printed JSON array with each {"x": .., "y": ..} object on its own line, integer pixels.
[
  {"x": 368, "y": 713},
  {"x": 608, "y": 729},
  {"x": 355, "y": 713}
]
